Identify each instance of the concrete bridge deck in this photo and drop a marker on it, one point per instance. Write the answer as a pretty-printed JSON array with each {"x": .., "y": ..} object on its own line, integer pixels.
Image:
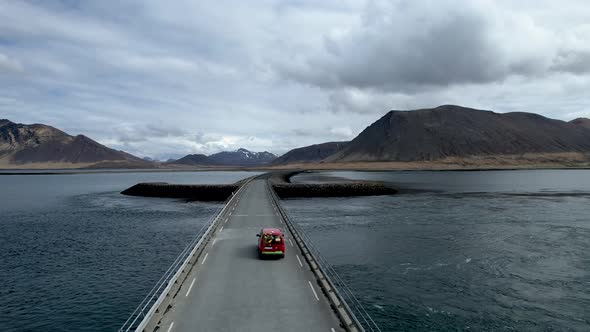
[
  {"x": 232, "y": 290},
  {"x": 223, "y": 286}
]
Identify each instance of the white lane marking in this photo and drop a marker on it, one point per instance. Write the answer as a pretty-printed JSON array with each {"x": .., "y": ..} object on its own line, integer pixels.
[
  {"x": 240, "y": 215},
  {"x": 170, "y": 328},
  {"x": 299, "y": 260},
  {"x": 332, "y": 329},
  {"x": 214, "y": 240},
  {"x": 291, "y": 243},
  {"x": 204, "y": 259},
  {"x": 313, "y": 290},
  {"x": 225, "y": 221},
  {"x": 221, "y": 228},
  {"x": 190, "y": 287}
]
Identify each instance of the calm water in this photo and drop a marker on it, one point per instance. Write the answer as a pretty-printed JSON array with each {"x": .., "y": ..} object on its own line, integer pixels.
[
  {"x": 462, "y": 251},
  {"x": 78, "y": 256},
  {"x": 455, "y": 251}
]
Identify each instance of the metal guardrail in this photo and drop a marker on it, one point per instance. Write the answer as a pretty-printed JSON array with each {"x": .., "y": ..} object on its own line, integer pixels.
[
  {"x": 360, "y": 318},
  {"x": 150, "y": 303}
]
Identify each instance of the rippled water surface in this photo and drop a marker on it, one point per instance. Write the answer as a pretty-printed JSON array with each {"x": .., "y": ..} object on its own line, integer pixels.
[
  {"x": 454, "y": 251},
  {"x": 78, "y": 256},
  {"x": 461, "y": 251}
]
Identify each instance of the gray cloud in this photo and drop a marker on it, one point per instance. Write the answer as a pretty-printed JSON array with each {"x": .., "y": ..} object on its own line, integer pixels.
[
  {"x": 330, "y": 132},
  {"x": 170, "y": 79},
  {"x": 302, "y": 132},
  {"x": 403, "y": 46},
  {"x": 134, "y": 133},
  {"x": 360, "y": 101},
  {"x": 577, "y": 62},
  {"x": 8, "y": 64}
]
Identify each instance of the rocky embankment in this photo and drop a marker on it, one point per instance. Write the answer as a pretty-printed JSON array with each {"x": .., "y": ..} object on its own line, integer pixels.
[
  {"x": 282, "y": 185},
  {"x": 280, "y": 181},
  {"x": 196, "y": 192}
]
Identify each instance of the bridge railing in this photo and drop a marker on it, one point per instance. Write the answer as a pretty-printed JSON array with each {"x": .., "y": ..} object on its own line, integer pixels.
[
  {"x": 351, "y": 312},
  {"x": 155, "y": 296}
]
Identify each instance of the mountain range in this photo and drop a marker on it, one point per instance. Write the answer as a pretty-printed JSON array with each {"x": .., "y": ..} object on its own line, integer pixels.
[
  {"x": 454, "y": 131},
  {"x": 451, "y": 131},
  {"x": 240, "y": 157},
  {"x": 441, "y": 133},
  {"x": 311, "y": 153},
  {"x": 193, "y": 160},
  {"x": 44, "y": 147}
]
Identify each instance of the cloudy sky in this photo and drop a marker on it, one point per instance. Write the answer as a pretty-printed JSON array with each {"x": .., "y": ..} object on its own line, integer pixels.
[{"x": 167, "y": 78}]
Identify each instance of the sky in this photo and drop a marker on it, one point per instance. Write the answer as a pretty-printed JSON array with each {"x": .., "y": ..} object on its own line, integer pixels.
[{"x": 162, "y": 79}]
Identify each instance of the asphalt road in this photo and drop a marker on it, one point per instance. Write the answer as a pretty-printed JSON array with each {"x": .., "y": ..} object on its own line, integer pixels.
[{"x": 232, "y": 290}]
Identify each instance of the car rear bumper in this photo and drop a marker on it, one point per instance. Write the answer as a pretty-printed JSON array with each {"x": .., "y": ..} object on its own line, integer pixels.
[{"x": 272, "y": 252}]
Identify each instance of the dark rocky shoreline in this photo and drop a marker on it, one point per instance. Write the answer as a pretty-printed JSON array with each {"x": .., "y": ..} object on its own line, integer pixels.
[
  {"x": 332, "y": 190},
  {"x": 197, "y": 192},
  {"x": 280, "y": 182},
  {"x": 193, "y": 192}
]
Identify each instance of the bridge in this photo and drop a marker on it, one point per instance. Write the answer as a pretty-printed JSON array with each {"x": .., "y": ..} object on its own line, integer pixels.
[{"x": 219, "y": 284}]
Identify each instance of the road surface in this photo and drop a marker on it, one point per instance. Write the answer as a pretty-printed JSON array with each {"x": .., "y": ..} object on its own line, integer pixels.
[{"x": 232, "y": 290}]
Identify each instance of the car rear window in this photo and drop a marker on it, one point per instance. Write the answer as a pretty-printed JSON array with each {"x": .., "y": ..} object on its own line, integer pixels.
[{"x": 272, "y": 239}]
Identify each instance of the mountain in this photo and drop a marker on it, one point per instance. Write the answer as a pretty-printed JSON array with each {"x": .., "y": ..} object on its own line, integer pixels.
[
  {"x": 42, "y": 146},
  {"x": 242, "y": 157},
  {"x": 447, "y": 131},
  {"x": 311, "y": 153},
  {"x": 584, "y": 122},
  {"x": 194, "y": 159}
]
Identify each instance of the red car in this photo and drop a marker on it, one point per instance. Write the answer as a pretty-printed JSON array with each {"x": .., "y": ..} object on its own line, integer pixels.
[{"x": 271, "y": 243}]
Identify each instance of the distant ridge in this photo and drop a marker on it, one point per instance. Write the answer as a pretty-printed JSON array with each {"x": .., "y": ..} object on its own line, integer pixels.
[
  {"x": 243, "y": 157},
  {"x": 583, "y": 122},
  {"x": 309, "y": 154},
  {"x": 36, "y": 145},
  {"x": 455, "y": 131},
  {"x": 194, "y": 159},
  {"x": 240, "y": 157}
]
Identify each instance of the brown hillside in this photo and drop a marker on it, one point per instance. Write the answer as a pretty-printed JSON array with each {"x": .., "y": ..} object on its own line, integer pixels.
[
  {"x": 40, "y": 144},
  {"x": 454, "y": 131}
]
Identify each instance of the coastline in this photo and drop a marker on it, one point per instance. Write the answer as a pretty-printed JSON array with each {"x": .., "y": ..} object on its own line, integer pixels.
[
  {"x": 310, "y": 167},
  {"x": 559, "y": 161},
  {"x": 8, "y": 172}
]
